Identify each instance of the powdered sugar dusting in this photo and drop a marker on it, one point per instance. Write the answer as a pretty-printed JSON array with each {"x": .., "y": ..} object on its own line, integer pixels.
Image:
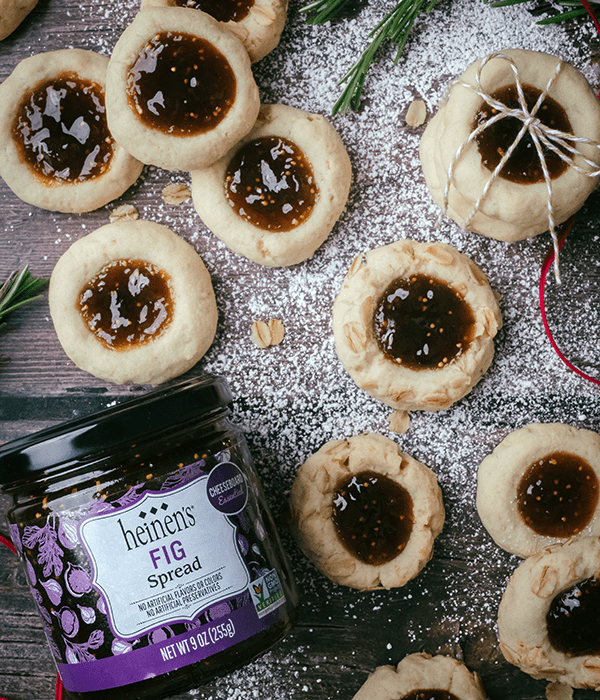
[{"x": 293, "y": 397}]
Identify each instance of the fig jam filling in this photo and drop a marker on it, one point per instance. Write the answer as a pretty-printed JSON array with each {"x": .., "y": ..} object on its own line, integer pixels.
[
  {"x": 61, "y": 132},
  {"x": 524, "y": 165},
  {"x": 221, "y": 10},
  {"x": 181, "y": 84},
  {"x": 423, "y": 323},
  {"x": 557, "y": 495},
  {"x": 373, "y": 516},
  {"x": 270, "y": 183},
  {"x": 573, "y": 620},
  {"x": 127, "y": 304},
  {"x": 429, "y": 694}
]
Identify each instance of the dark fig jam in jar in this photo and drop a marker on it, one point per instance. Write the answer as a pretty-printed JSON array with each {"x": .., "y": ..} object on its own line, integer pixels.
[{"x": 148, "y": 544}]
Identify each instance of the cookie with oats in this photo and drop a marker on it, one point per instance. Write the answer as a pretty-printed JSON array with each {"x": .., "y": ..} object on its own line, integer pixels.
[
  {"x": 57, "y": 152},
  {"x": 133, "y": 302},
  {"x": 421, "y": 676},
  {"x": 540, "y": 486},
  {"x": 549, "y": 621},
  {"x": 276, "y": 195},
  {"x": 257, "y": 23},
  {"x": 414, "y": 324},
  {"x": 180, "y": 89},
  {"x": 365, "y": 513}
]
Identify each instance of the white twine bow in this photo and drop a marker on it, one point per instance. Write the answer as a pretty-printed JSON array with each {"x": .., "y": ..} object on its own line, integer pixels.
[{"x": 559, "y": 142}]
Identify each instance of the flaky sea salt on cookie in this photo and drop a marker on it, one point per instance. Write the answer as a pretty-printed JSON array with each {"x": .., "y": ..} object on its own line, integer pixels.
[
  {"x": 180, "y": 90},
  {"x": 56, "y": 151},
  {"x": 423, "y": 677},
  {"x": 276, "y": 195},
  {"x": 366, "y": 513},
  {"x": 488, "y": 177},
  {"x": 414, "y": 324},
  {"x": 133, "y": 302},
  {"x": 257, "y": 23},
  {"x": 549, "y": 616},
  {"x": 540, "y": 486}
]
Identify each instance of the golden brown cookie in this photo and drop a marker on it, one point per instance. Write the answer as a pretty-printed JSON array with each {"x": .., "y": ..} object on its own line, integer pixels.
[
  {"x": 365, "y": 513},
  {"x": 422, "y": 672},
  {"x": 276, "y": 195},
  {"x": 257, "y": 23},
  {"x": 540, "y": 486},
  {"x": 57, "y": 150},
  {"x": 516, "y": 206},
  {"x": 180, "y": 90},
  {"x": 133, "y": 302},
  {"x": 414, "y": 324},
  {"x": 548, "y": 620},
  {"x": 12, "y": 13}
]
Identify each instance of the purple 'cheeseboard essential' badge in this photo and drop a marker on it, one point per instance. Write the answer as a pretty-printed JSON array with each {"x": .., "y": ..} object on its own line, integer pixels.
[{"x": 226, "y": 488}]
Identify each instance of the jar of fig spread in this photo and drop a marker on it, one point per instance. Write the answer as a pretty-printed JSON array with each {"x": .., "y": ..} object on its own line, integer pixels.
[{"x": 148, "y": 544}]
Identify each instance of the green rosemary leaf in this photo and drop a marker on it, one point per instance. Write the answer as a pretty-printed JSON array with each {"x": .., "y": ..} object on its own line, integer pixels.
[
  {"x": 563, "y": 16},
  {"x": 323, "y": 10},
  {"x": 505, "y": 3},
  {"x": 20, "y": 288},
  {"x": 394, "y": 28},
  {"x": 553, "y": 19}
]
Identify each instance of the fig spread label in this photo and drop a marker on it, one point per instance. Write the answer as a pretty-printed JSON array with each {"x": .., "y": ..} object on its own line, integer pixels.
[{"x": 165, "y": 557}]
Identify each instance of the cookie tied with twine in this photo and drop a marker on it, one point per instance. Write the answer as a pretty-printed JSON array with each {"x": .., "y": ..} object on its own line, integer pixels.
[
  {"x": 546, "y": 120},
  {"x": 541, "y": 118}
]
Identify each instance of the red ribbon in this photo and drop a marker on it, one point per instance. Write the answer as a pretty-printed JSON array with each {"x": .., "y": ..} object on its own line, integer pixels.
[
  {"x": 590, "y": 12},
  {"x": 7, "y": 543},
  {"x": 58, "y": 693},
  {"x": 548, "y": 260}
]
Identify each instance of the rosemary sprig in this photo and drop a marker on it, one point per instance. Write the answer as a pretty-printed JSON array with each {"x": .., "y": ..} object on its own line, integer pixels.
[
  {"x": 20, "y": 288},
  {"x": 578, "y": 11},
  {"x": 323, "y": 10},
  {"x": 394, "y": 28}
]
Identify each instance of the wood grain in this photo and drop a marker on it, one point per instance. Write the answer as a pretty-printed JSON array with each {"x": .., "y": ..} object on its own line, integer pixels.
[{"x": 301, "y": 396}]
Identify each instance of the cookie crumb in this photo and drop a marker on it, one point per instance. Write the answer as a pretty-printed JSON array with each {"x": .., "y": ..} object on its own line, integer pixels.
[
  {"x": 126, "y": 212},
  {"x": 558, "y": 691},
  {"x": 264, "y": 334},
  {"x": 416, "y": 114},
  {"x": 399, "y": 421},
  {"x": 176, "y": 193}
]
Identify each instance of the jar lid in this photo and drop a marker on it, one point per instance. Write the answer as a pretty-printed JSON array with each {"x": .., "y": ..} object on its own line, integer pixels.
[{"x": 50, "y": 450}]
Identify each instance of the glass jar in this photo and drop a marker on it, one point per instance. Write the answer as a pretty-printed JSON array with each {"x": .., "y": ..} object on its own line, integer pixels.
[{"x": 148, "y": 544}]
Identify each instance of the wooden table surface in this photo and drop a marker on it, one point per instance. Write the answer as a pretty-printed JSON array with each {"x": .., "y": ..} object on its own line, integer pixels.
[{"x": 292, "y": 398}]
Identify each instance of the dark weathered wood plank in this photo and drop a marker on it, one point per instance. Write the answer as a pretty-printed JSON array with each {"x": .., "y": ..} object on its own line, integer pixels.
[{"x": 291, "y": 399}]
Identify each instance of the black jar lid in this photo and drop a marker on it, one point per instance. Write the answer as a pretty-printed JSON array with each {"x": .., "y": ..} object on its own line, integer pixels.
[{"x": 74, "y": 442}]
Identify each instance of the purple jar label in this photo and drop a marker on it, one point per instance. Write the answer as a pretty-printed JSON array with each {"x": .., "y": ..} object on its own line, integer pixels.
[{"x": 161, "y": 576}]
